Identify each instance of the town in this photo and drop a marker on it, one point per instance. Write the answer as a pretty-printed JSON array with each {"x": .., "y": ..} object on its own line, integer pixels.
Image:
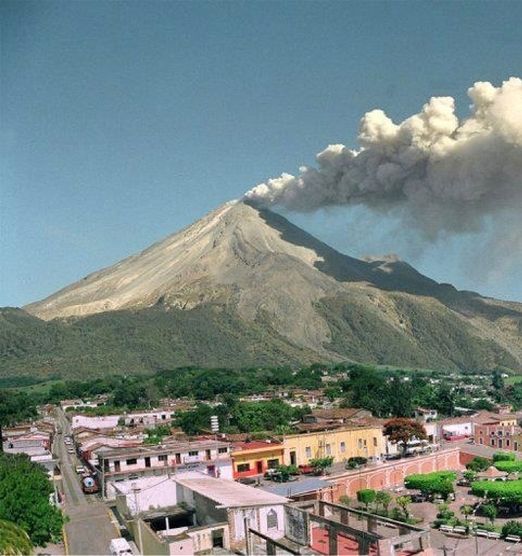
[{"x": 181, "y": 478}]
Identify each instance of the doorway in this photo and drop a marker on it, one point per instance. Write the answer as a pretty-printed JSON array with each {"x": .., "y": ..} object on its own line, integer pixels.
[
  {"x": 147, "y": 461},
  {"x": 217, "y": 538},
  {"x": 293, "y": 458},
  {"x": 259, "y": 467}
]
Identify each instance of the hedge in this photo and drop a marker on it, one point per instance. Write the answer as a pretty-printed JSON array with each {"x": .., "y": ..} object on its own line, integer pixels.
[
  {"x": 507, "y": 491},
  {"x": 431, "y": 483},
  {"x": 503, "y": 456},
  {"x": 509, "y": 466}
]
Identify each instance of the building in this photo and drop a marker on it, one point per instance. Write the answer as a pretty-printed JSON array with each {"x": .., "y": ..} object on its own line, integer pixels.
[
  {"x": 210, "y": 458},
  {"x": 341, "y": 443},
  {"x": 192, "y": 514},
  {"x": 456, "y": 428},
  {"x": 143, "y": 418},
  {"x": 498, "y": 436},
  {"x": 425, "y": 415},
  {"x": 339, "y": 415},
  {"x": 254, "y": 458}
]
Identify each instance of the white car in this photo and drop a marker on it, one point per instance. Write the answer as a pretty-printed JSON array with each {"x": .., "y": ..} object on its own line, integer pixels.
[{"x": 80, "y": 469}]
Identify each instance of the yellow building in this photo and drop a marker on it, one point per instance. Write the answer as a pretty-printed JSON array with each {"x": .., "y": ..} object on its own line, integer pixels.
[
  {"x": 255, "y": 458},
  {"x": 341, "y": 443}
]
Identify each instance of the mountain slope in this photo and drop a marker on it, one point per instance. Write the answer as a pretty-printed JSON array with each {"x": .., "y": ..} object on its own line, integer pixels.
[{"x": 284, "y": 295}]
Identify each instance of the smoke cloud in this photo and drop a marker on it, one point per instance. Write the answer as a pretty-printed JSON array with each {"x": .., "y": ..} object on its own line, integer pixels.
[{"x": 441, "y": 175}]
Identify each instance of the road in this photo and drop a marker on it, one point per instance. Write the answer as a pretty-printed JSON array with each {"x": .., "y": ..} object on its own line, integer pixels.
[{"x": 90, "y": 528}]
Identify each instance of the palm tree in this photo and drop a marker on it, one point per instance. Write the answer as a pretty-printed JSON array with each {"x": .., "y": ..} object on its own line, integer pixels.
[
  {"x": 466, "y": 510},
  {"x": 14, "y": 541}
]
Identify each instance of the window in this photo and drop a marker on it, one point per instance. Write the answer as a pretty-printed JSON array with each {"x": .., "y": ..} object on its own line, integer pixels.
[
  {"x": 131, "y": 461},
  {"x": 375, "y": 441},
  {"x": 193, "y": 454},
  {"x": 223, "y": 450},
  {"x": 272, "y": 463},
  {"x": 507, "y": 442},
  {"x": 359, "y": 443},
  {"x": 342, "y": 446},
  {"x": 515, "y": 447},
  {"x": 162, "y": 457},
  {"x": 328, "y": 450},
  {"x": 163, "y": 417},
  {"x": 308, "y": 452},
  {"x": 271, "y": 519},
  {"x": 242, "y": 467}
]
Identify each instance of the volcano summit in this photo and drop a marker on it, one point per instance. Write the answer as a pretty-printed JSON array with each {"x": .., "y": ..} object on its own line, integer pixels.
[{"x": 243, "y": 286}]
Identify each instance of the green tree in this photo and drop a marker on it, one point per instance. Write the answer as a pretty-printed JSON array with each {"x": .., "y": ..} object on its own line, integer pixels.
[
  {"x": 345, "y": 500},
  {"x": 14, "y": 541},
  {"x": 489, "y": 511},
  {"x": 404, "y": 502},
  {"x": 24, "y": 499},
  {"x": 401, "y": 431},
  {"x": 469, "y": 475},
  {"x": 466, "y": 510},
  {"x": 478, "y": 464},
  {"x": 366, "y": 496},
  {"x": 383, "y": 498}
]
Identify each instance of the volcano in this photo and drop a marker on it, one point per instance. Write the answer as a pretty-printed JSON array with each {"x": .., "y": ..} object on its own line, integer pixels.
[{"x": 244, "y": 286}]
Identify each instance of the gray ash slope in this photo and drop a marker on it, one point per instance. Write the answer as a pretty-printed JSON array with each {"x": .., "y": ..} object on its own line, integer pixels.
[{"x": 243, "y": 286}]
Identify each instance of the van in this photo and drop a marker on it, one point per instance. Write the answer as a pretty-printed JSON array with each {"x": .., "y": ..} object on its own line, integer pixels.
[{"x": 120, "y": 547}]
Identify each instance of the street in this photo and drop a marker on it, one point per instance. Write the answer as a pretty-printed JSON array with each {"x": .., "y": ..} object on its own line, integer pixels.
[{"x": 89, "y": 528}]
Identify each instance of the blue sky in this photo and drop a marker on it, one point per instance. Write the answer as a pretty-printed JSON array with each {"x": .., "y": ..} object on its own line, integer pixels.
[{"x": 124, "y": 121}]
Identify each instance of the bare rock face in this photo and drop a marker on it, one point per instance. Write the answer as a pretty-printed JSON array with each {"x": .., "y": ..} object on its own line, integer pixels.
[{"x": 270, "y": 271}]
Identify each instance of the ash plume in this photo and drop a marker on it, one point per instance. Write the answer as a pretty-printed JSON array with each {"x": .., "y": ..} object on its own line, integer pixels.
[{"x": 436, "y": 172}]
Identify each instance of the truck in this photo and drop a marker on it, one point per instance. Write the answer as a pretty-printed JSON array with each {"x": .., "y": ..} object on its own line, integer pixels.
[{"x": 120, "y": 547}]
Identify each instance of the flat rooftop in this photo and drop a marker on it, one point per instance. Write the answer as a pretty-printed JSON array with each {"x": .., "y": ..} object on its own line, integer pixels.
[
  {"x": 230, "y": 494},
  {"x": 166, "y": 448}
]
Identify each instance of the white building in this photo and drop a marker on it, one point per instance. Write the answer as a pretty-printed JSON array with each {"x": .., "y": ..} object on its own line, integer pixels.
[
  {"x": 205, "y": 456},
  {"x": 192, "y": 513}
]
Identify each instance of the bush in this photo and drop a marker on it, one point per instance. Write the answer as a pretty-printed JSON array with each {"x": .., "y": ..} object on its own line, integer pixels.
[
  {"x": 503, "y": 456},
  {"x": 355, "y": 462},
  {"x": 512, "y": 528},
  {"x": 505, "y": 491},
  {"x": 509, "y": 466},
  {"x": 478, "y": 464}
]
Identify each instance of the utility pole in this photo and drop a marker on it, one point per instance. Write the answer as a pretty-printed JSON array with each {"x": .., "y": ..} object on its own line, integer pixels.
[{"x": 135, "y": 490}]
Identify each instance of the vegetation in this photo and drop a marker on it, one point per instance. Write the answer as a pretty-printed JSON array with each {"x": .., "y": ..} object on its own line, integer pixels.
[
  {"x": 439, "y": 482},
  {"x": 366, "y": 496},
  {"x": 14, "y": 541},
  {"x": 512, "y": 528},
  {"x": 507, "y": 492},
  {"x": 320, "y": 465},
  {"x": 237, "y": 416},
  {"x": 24, "y": 499},
  {"x": 489, "y": 511},
  {"x": 14, "y": 407},
  {"x": 404, "y": 503},
  {"x": 509, "y": 466},
  {"x": 478, "y": 464},
  {"x": 383, "y": 499},
  {"x": 504, "y": 456},
  {"x": 401, "y": 431},
  {"x": 156, "y": 434}
]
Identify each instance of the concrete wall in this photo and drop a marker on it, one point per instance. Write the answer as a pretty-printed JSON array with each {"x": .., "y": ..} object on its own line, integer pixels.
[{"x": 390, "y": 474}]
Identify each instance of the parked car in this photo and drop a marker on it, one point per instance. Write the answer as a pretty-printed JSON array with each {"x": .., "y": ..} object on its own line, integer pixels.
[
  {"x": 306, "y": 469},
  {"x": 418, "y": 498},
  {"x": 80, "y": 469},
  {"x": 70, "y": 450}
]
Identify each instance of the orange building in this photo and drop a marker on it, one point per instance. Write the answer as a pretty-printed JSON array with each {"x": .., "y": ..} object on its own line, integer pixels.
[{"x": 255, "y": 458}]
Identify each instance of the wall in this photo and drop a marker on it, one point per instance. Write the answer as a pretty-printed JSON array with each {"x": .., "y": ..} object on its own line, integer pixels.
[
  {"x": 257, "y": 519},
  {"x": 390, "y": 474},
  {"x": 152, "y": 544},
  {"x": 202, "y": 536},
  {"x": 318, "y": 442},
  {"x": 105, "y": 422}
]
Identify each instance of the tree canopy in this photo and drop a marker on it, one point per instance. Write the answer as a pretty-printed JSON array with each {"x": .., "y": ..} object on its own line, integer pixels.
[
  {"x": 24, "y": 498},
  {"x": 402, "y": 431}
]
